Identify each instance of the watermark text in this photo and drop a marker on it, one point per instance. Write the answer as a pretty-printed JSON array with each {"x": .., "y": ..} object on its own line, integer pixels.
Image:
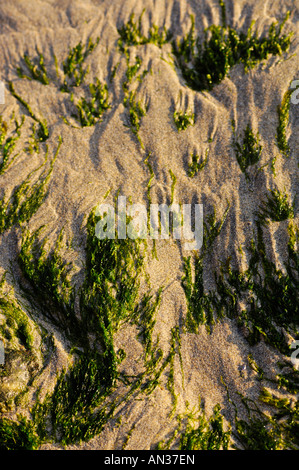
[{"x": 182, "y": 222}]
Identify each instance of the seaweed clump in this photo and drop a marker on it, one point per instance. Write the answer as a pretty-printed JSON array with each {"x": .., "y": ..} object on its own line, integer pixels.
[
  {"x": 35, "y": 68},
  {"x": 18, "y": 435},
  {"x": 8, "y": 144},
  {"x": 183, "y": 119},
  {"x": 283, "y": 111},
  {"x": 201, "y": 305},
  {"x": 196, "y": 432},
  {"x": 26, "y": 198},
  {"x": 131, "y": 34},
  {"x": 249, "y": 152},
  {"x": 80, "y": 404},
  {"x": 276, "y": 207},
  {"x": 73, "y": 65},
  {"x": 90, "y": 111},
  {"x": 204, "y": 65},
  {"x": 197, "y": 164},
  {"x": 269, "y": 294}
]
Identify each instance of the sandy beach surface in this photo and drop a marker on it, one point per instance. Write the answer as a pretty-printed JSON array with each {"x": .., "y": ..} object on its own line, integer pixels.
[{"x": 107, "y": 157}]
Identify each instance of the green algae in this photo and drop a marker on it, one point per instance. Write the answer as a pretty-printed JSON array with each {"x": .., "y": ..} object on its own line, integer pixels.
[
  {"x": 77, "y": 409},
  {"x": 90, "y": 111},
  {"x": 276, "y": 207},
  {"x": 131, "y": 34},
  {"x": 8, "y": 143},
  {"x": 197, "y": 432},
  {"x": 36, "y": 68},
  {"x": 26, "y": 198},
  {"x": 183, "y": 119},
  {"x": 42, "y": 131},
  {"x": 197, "y": 164},
  {"x": 283, "y": 111},
  {"x": 73, "y": 65},
  {"x": 248, "y": 152},
  {"x": 206, "y": 63}
]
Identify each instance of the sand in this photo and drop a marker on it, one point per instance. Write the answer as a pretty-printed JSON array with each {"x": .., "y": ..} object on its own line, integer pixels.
[{"x": 107, "y": 156}]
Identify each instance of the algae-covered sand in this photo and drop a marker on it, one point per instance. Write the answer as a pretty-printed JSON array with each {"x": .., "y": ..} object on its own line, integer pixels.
[{"x": 142, "y": 344}]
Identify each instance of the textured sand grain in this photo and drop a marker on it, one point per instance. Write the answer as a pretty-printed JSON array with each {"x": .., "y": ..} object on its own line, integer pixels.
[{"x": 108, "y": 157}]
